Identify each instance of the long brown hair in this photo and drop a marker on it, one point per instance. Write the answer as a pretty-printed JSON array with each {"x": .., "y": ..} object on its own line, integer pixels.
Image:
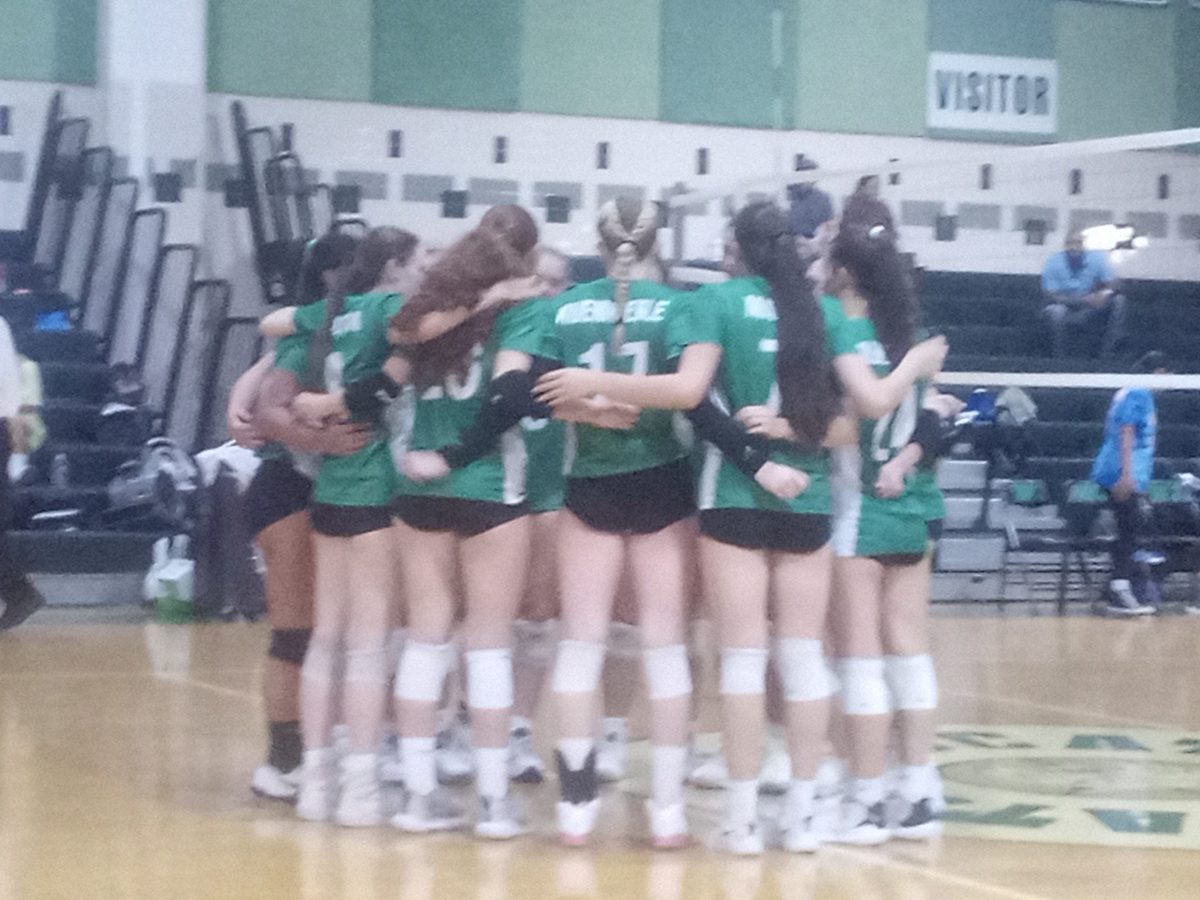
[
  {"x": 373, "y": 252},
  {"x": 866, "y": 247},
  {"x": 498, "y": 249},
  {"x": 809, "y": 396}
]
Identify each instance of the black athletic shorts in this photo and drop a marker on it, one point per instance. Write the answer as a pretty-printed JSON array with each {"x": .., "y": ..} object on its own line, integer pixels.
[
  {"x": 466, "y": 518},
  {"x": 640, "y": 502},
  {"x": 898, "y": 559},
  {"x": 763, "y": 529},
  {"x": 935, "y": 530},
  {"x": 276, "y": 492},
  {"x": 349, "y": 521}
]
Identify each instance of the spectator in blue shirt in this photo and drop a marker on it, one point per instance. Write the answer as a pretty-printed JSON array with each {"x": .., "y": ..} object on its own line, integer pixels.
[
  {"x": 1123, "y": 467},
  {"x": 1081, "y": 295}
]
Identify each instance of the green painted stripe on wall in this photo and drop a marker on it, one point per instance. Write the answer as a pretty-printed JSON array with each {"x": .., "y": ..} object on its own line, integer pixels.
[
  {"x": 48, "y": 40},
  {"x": 1187, "y": 67},
  {"x": 717, "y": 62},
  {"x": 459, "y": 54},
  {"x": 861, "y": 64},
  {"x": 303, "y": 48},
  {"x": 1022, "y": 28},
  {"x": 1116, "y": 69},
  {"x": 591, "y": 59}
]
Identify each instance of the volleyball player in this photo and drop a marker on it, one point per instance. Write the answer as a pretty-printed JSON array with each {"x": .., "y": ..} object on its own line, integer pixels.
[
  {"x": 881, "y": 541},
  {"x": 760, "y": 342},
  {"x": 277, "y": 508}
]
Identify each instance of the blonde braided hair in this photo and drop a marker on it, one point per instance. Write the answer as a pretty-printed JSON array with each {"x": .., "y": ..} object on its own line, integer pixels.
[{"x": 628, "y": 230}]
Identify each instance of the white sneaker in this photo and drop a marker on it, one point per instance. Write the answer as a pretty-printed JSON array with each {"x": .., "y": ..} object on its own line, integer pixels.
[
  {"x": 861, "y": 824},
  {"x": 524, "y": 764},
  {"x": 425, "y": 813},
  {"x": 775, "y": 776},
  {"x": 668, "y": 826},
  {"x": 454, "y": 755},
  {"x": 610, "y": 751},
  {"x": 708, "y": 771},
  {"x": 273, "y": 784},
  {"x": 360, "y": 804},
  {"x": 391, "y": 769},
  {"x": 1122, "y": 601},
  {"x": 500, "y": 819},
  {"x": 741, "y": 840},
  {"x": 317, "y": 793},
  {"x": 800, "y": 826},
  {"x": 916, "y": 821},
  {"x": 576, "y": 821},
  {"x": 1192, "y": 609}
]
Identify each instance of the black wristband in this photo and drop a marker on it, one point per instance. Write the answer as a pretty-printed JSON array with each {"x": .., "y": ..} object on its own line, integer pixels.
[
  {"x": 366, "y": 398},
  {"x": 928, "y": 434}
]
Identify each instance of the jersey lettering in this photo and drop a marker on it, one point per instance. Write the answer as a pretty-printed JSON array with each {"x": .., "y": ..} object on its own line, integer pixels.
[
  {"x": 347, "y": 323},
  {"x": 758, "y": 307}
]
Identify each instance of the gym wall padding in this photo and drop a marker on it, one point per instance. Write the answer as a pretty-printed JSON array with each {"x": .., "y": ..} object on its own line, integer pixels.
[
  {"x": 48, "y": 40},
  {"x": 1187, "y": 62}
]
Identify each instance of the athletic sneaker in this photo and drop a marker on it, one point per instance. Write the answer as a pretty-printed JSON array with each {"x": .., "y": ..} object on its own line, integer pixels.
[
  {"x": 741, "y": 840},
  {"x": 391, "y": 765},
  {"x": 668, "y": 826},
  {"x": 707, "y": 771},
  {"x": 360, "y": 804},
  {"x": 801, "y": 832},
  {"x": 271, "y": 783},
  {"x": 610, "y": 752},
  {"x": 500, "y": 818},
  {"x": 775, "y": 776},
  {"x": 917, "y": 821},
  {"x": 455, "y": 757},
  {"x": 317, "y": 794},
  {"x": 1123, "y": 602},
  {"x": 424, "y": 813},
  {"x": 576, "y": 821},
  {"x": 861, "y": 824},
  {"x": 524, "y": 764}
]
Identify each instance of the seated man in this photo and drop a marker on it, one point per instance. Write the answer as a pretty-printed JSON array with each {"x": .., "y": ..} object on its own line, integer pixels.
[{"x": 1080, "y": 290}]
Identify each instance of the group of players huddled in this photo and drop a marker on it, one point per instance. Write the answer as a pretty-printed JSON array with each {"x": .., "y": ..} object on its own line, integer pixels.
[{"x": 470, "y": 470}]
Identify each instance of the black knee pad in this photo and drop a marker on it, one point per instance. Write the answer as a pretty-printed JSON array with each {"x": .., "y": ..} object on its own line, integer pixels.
[{"x": 289, "y": 644}]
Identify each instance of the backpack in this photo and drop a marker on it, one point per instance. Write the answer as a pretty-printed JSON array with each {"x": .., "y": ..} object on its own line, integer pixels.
[
  {"x": 155, "y": 491},
  {"x": 124, "y": 418},
  {"x": 228, "y": 573}
]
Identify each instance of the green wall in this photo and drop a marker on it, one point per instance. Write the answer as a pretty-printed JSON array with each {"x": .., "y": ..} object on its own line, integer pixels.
[
  {"x": 48, "y": 40},
  {"x": 855, "y": 78},
  {"x": 1116, "y": 69},
  {"x": 1187, "y": 61},
  {"x": 717, "y": 66},
  {"x": 1009, "y": 28},
  {"x": 298, "y": 48},
  {"x": 591, "y": 59},
  {"x": 461, "y": 54}
]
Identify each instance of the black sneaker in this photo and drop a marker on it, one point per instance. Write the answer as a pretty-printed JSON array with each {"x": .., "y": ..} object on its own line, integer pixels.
[{"x": 920, "y": 822}]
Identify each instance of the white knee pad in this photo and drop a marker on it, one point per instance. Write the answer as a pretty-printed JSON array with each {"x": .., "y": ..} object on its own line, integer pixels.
[
  {"x": 743, "y": 671},
  {"x": 320, "y": 662},
  {"x": 577, "y": 669},
  {"x": 366, "y": 666},
  {"x": 535, "y": 642},
  {"x": 864, "y": 690},
  {"x": 423, "y": 669},
  {"x": 395, "y": 648},
  {"x": 489, "y": 678},
  {"x": 802, "y": 669},
  {"x": 912, "y": 681},
  {"x": 624, "y": 641},
  {"x": 667, "y": 672}
]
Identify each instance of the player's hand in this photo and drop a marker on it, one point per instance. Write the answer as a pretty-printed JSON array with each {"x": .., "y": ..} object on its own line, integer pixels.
[
  {"x": 1124, "y": 488},
  {"x": 424, "y": 465},
  {"x": 947, "y": 406},
  {"x": 783, "y": 481},
  {"x": 563, "y": 386},
  {"x": 604, "y": 413},
  {"x": 240, "y": 422},
  {"x": 890, "y": 482},
  {"x": 765, "y": 421},
  {"x": 343, "y": 438},
  {"x": 930, "y": 355},
  {"x": 315, "y": 409}
]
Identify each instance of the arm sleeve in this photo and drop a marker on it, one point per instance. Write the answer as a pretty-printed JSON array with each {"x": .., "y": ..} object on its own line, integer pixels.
[
  {"x": 748, "y": 452},
  {"x": 509, "y": 400},
  {"x": 928, "y": 435}
]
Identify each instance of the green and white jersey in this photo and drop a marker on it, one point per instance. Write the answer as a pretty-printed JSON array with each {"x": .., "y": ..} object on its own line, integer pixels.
[
  {"x": 545, "y": 448},
  {"x": 444, "y": 411},
  {"x": 578, "y": 331},
  {"x": 924, "y": 485},
  {"x": 739, "y": 316},
  {"x": 359, "y": 348},
  {"x": 864, "y": 524}
]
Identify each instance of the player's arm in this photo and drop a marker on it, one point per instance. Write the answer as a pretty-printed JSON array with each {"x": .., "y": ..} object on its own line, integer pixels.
[
  {"x": 435, "y": 323},
  {"x": 682, "y": 389},
  {"x": 279, "y": 323},
  {"x": 275, "y": 420},
  {"x": 239, "y": 413},
  {"x": 874, "y": 396}
]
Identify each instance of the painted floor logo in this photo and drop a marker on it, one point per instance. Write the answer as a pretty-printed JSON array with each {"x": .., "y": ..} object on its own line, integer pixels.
[{"x": 1072, "y": 785}]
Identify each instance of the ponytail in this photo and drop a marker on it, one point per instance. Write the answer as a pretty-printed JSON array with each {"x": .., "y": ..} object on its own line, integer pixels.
[{"x": 628, "y": 230}]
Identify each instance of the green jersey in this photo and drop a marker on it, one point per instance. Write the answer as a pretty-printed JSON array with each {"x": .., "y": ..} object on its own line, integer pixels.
[
  {"x": 359, "y": 348},
  {"x": 442, "y": 412},
  {"x": 924, "y": 485},
  {"x": 578, "y": 331},
  {"x": 739, "y": 316},
  {"x": 865, "y": 524},
  {"x": 545, "y": 446}
]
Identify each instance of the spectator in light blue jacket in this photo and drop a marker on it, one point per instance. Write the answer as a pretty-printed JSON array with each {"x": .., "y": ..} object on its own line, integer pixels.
[{"x": 1080, "y": 292}]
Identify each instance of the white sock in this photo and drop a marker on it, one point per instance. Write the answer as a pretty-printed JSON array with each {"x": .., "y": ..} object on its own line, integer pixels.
[
  {"x": 575, "y": 751},
  {"x": 420, "y": 767},
  {"x": 918, "y": 782},
  {"x": 670, "y": 766},
  {"x": 353, "y": 761},
  {"x": 869, "y": 791},
  {"x": 741, "y": 798},
  {"x": 615, "y": 725},
  {"x": 316, "y": 758},
  {"x": 492, "y": 778},
  {"x": 802, "y": 794}
]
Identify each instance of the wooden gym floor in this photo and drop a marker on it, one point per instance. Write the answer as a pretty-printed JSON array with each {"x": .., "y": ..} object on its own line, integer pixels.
[{"x": 1071, "y": 749}]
